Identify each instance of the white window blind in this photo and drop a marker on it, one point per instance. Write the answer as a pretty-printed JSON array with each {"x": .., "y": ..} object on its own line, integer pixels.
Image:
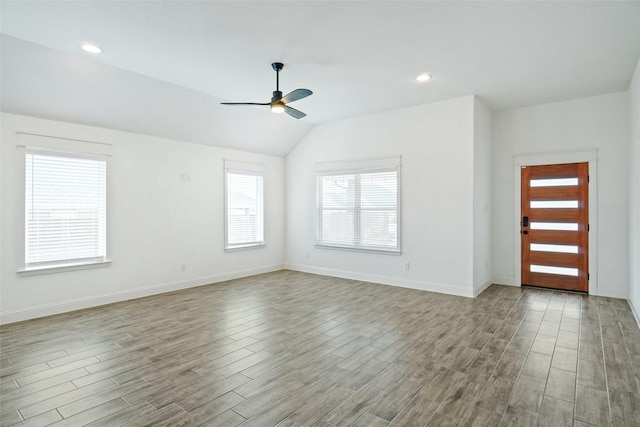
[
  {"x": 245, "y": 208},
  {"x": 65, "y": 209},
  {"x": 359, "y": 209}
]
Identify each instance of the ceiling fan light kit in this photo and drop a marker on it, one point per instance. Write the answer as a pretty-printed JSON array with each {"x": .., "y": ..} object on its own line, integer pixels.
[
  {"x": 278, "y": 102},
  {"x": 277, "y": 107}
]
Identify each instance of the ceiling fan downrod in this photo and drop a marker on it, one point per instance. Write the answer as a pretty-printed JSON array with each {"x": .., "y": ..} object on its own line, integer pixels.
[
  {"x": 277, "y": 67},
  {"x": 278, "y": 102}
]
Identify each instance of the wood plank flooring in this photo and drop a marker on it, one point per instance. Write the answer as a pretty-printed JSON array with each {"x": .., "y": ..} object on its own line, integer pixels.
[{"x": 295, "y": 349}]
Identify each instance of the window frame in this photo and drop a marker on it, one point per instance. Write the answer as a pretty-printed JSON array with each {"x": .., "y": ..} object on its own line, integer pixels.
[
  {"x": 62, "y": 147},
  {"x": 250, "y": 169},
  {"x": 359, "y": 168}
]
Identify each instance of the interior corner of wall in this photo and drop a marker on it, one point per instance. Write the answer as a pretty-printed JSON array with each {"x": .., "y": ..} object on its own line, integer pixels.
[
  {"x": 477, "y": 100},
  {"x": 479, "y": 288},
  {"x": 506, "y": 281},
  {"x": 635, "y": 310},
  {"x": 608, "y": 291}
]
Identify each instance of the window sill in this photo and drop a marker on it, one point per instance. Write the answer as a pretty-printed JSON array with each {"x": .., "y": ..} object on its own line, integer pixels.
[
  {"x": 245, "y": 247},
  {"x": 365, "y": 250},
  {"x": 34, "y": 271}
]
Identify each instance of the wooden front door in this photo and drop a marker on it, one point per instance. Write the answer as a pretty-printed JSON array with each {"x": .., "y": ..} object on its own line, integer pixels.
[{"x": 555, "y": 226}]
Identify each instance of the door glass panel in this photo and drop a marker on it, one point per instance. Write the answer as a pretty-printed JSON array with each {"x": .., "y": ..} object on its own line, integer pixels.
[
  {"x": 555, "y": 182},
  {"x": 565, "y": 271},
  {"x": 560, "y": 226},
  {"x": 554, "y": 204},
  {"x": 566, "y": 249}
]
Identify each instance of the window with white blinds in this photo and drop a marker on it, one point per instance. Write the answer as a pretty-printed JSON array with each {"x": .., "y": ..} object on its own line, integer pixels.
[
  {"x": 65, "y": 209},
  {"x": 359, "y": 209},
  {"x": 244, "y": 208}
]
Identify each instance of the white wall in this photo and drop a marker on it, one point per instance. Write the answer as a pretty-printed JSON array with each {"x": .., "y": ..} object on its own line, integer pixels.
[
  {"x": 599, "y": 122},
  {"x": 436, "y": 145},
  {"x": 634, "y": 195},
  {"x": 481, "y": 197},
  {"x": 156, "y": 222},
  {"x": 457, "y": 202}
]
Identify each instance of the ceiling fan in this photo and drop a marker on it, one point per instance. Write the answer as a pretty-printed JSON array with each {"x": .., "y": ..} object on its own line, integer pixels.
[{"x": 278, "y": 102}]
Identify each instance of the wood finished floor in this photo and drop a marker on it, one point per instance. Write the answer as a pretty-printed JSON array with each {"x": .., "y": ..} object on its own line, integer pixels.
[{"x": 291, "y": 349}]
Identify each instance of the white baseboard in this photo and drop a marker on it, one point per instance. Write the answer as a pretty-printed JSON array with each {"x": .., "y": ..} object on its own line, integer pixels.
[
  {"x": 479, "y": 289},
  {"x": 28, "y": 313},
  {"x": 611, "y": 292},
  {"x": 507, "y": 281},
  {"x": 384, "y": 280},
  {"x": 602, "y": 291}
]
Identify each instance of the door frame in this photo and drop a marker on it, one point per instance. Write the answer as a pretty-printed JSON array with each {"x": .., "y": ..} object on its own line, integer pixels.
[{"x": 552, "y": 158}]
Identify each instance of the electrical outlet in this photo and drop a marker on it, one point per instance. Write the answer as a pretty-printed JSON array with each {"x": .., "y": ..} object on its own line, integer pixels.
[
  {"x": 407, "y": 265},
  {"x": 183, "y": 266},
  {"x": 307, "y": 255}
]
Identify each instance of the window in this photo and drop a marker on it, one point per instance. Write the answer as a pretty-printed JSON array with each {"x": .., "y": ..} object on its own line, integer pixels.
[
  {"x": 358, "y": 206},
  {"x": 244, "y": 205},
  {"x": 65, "y": 209}
]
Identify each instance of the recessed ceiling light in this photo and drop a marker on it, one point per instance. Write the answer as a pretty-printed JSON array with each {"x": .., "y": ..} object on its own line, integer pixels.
[
  {"x": 423, "y": 77},
  {"x": 91, "y": 48}
]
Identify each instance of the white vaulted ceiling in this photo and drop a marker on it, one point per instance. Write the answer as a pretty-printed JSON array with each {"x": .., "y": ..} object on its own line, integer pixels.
[{"x": 167, "y": 65}]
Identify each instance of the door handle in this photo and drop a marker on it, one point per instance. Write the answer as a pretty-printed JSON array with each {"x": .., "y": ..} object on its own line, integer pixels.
[{"x": 525, "y": 221}]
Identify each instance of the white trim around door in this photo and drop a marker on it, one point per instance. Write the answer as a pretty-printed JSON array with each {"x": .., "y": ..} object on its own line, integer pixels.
[{"x": 591, "y": 156}]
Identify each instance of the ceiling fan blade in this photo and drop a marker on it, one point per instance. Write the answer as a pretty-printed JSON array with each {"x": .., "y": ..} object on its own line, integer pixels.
[
  {"x": 245, "y": 103},
  {"x": 295, "y": 95},
  {"x": 296, "y": 114}
]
